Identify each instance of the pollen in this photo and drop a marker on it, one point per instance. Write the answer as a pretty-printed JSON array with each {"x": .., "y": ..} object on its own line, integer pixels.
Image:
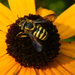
[{"x": 22, "y": 50}]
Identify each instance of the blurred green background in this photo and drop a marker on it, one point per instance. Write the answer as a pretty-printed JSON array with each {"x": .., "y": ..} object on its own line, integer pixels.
[{"x": 58, "y": 6}]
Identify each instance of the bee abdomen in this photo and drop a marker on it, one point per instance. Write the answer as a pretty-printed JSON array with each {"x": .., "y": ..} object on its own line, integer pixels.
[
  {"x": 40, "y": 33},
  {"x": 45, "y": 35}
]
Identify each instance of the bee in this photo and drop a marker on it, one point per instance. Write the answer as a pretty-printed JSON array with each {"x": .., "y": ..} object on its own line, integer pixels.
[{"x": 35, "y": 31}]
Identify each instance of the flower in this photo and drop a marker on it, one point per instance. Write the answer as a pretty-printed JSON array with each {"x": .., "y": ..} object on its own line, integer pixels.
[{"x": 62, "y": 64}]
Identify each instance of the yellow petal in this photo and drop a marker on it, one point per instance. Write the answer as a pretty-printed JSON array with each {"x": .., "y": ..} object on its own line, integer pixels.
[
  {"x": 5, "y": 59},
  {"x": 65, "y": 31},
  {"x": 68, "y": 48},
  {"x": 3, "y": 27},
  {"x": 68, "y": 59},
  {"x": 65, "y": 23},
  {"x": 54, "y": 69},
  {"x": 4, "y": 62},
  {"x": 6, "y": 56},
  {"x": 14, "y": 8},
  {"x": 2, "y": 51},
  {"x": 61, "y": 69},
  {"x": 6, "y": 65},
  {"x": 65, "y": 63},
  {"x": 14, "y": 70},
  {"x": 5, "y": 20},
  {"x": 22, "y": 7},
  {"x": 68, "y": 53},
  {"x": 40, "y": 72},
  {"x": 22, "y": 71},
  {"x": 33, "y": 72},
  {"x": 66, "y": 15},
  {"x": 31, "y": 6},
  {"x": 44, "y": 12},
  {"x": 6, "y": 12},
  {"x": 27, "y": 71},
  {"x": 2, "y": 43},
  {"x": 2, "y": 35},
  {"x": 70, "y": 22},
  {"x": 47, "y": 70},
  {"x": 2, "y": 48}
]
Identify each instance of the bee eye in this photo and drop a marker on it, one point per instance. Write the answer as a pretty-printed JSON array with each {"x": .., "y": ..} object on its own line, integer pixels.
[{"x": 29, "y": 25}]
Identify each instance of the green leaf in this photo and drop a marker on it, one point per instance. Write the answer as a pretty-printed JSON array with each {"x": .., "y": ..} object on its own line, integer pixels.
[{"x": 70, "y": 39}]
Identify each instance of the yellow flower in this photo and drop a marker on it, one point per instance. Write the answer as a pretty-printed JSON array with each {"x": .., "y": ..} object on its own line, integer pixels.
[{"x": 63, "y": 64}]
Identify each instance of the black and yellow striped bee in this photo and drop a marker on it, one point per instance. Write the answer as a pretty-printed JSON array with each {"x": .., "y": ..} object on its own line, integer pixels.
[{"x": 35, "y": 31}]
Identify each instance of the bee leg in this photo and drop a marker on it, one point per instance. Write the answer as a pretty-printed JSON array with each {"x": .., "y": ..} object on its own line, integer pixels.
[{"x": 21, "y": 35}]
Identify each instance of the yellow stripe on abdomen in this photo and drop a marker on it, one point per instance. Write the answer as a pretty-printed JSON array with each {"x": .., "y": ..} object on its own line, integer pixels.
[
  {"x": 34, "y": 33},
  {"x": 42, "y": 34},
  {"x": 44, "y": 38},
  {"x": 38, "y": 33}
]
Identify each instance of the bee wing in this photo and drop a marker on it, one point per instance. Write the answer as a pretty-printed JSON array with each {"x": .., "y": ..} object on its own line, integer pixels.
[
  {"x": 35, "y": 43},
  {"x": 47, "y": 18},
  {"x": 37, "y": 46},
  {"x": 51, "y": 17},
  {"x": 41, "y": 21}
]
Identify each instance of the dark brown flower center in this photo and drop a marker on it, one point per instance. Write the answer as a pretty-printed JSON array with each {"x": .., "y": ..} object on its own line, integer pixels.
[{"x": 24, "y": 52}]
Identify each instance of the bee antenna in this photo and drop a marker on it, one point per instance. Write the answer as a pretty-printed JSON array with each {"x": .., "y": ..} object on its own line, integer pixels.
[{"x": 18, "y": 18}]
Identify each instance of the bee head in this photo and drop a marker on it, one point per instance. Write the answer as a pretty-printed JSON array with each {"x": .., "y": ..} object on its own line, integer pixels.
[{"x": 29, "y": 25}]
